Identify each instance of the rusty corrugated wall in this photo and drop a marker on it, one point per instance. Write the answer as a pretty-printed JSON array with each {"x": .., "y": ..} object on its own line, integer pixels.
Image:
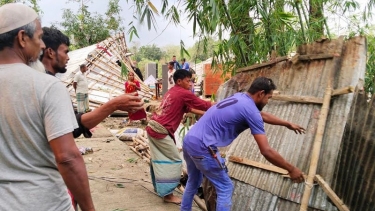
[
  {"x": 304, "y": 78},
  {"x": 354, "y": 178}
]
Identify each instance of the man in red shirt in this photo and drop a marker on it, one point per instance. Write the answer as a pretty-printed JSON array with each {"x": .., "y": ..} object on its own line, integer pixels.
[{"x": 166, "y": 162}]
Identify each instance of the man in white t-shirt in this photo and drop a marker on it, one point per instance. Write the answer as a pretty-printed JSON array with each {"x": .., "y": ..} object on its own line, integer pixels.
[
  {"x": 171, "y": 71},
  {"x": 39, "y": 159},
  {"x": 81, "y": 88}
]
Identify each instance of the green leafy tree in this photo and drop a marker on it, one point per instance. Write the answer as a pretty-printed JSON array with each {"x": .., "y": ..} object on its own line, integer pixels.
[
  {"x": 202, "y": 50},
  {"x": 85, "y": 28},
  {"x": 258, "y": 30},
  {"x": 150, "y": 52},
  {"x": 114, "y": 19}
]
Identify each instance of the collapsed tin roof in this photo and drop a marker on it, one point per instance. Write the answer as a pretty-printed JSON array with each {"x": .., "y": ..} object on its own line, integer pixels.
[{"x": 302, "y": 82}]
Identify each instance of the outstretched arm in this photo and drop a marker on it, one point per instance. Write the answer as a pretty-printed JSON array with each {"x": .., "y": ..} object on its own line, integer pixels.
[
  {"x": 273, "y": 120},
  {"x": 275, "y": 158},
  {"x": 196, "y": 111},
  {"x": 125, "y": 102}
]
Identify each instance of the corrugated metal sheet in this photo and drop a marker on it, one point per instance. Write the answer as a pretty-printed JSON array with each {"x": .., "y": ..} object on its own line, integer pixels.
[
  {"x": 299, "y": 79},
  {"x": 250, "y": 198},
  {"x": 103, "y": 73},
  {"x": 354, "y": 178}
]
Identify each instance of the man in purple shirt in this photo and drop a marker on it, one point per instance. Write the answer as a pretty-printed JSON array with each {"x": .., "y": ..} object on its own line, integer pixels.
[{"x": 218, "y": 127}]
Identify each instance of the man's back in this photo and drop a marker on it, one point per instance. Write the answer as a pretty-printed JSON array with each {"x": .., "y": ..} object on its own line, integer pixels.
[
  {"x": 35, "y": 108},
  {"x": 223, "y": 122}
]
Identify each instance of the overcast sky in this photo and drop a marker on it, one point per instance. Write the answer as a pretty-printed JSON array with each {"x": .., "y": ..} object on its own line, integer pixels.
[{"x": 53, "y": 10}]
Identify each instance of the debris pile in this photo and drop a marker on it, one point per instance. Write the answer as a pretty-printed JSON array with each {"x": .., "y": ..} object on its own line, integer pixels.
[{"x": 140, "y": 147}]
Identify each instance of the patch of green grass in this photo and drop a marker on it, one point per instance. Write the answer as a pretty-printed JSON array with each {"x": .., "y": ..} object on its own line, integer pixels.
[{"x": 132, "y": 160}]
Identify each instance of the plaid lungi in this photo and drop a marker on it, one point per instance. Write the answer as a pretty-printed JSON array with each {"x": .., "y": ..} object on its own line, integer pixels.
[{"x": 82, "y": 102}]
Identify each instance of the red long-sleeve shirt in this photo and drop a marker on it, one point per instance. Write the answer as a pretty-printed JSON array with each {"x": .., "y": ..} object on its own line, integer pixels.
[{"x": 175, "y": 103}]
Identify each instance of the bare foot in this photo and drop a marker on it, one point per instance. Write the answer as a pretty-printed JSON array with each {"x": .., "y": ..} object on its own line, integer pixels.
[{"x": 172, "y": 199}]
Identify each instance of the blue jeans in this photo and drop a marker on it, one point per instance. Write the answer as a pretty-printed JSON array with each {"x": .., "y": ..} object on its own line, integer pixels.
[{"x": 200, "y": 162}]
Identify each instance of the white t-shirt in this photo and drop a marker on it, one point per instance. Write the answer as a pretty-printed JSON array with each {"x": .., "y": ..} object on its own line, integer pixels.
[
  {"x": 82, "y": 85},
  {"x": 35, "y": 108},
  {"x": 170, "y": 79}
]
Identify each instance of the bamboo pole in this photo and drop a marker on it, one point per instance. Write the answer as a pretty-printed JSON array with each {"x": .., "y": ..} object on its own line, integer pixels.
[
  {"x": 342, "y": 91},
  {"x": 316, "y": 147},
  {"x": 298, "y": 99},
  {"x": 331, "y": 194}
]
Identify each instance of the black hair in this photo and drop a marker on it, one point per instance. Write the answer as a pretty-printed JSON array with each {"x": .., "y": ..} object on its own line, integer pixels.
[
  {"x": 171, "y": 63},
  {"x": 118, "y": 63},
  {"x": 183, "y": 59},
  {"x": 53, "y": 38},
  {"x": 181, "y": 74},
  {"x": 7, "y": 38},
  {"x": 262, "y": 83},
  {"x": 82, "y": 66}
]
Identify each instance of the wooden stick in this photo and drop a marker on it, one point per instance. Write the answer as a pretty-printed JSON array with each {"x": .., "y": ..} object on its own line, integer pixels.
[
  {"x": 342, "y": 91},
  {"x": 140, "y": 142},
  {"x": 147, "y": 160},
  {"x": 248, "y": 162},
  {"x": 136, "y": 152},
  {"x": 298, "y": 99},
  {"x": 331, "y": 194},
  {"x": 145, "y": 140},
  {"x": 316, "y": 147},
  {"x": 265, "y": 64},
  {"x": 309, "y": 57}
]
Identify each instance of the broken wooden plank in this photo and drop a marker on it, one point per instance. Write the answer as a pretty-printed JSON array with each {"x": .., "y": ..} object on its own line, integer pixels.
[
  {"x": 331, "y": 194},
  {"x": 298, "y": 99},
  {"x": 309, "y": 57},
  {"x": 248, "y": 162},
  {"x": 344, "y": 90},
  {"x": 265, "y": 64}
]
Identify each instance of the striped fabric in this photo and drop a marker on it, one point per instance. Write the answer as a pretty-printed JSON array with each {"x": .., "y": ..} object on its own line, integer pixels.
[
  {"x": 82, "y": 102},
  {"x": 165, "y": 165}
]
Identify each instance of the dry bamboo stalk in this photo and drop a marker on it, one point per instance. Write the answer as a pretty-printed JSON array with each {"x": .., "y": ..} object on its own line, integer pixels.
[
  {"x": 147, "y": 160},
  {"x": 140, "y": 147},
  {"x": 316, "y": 147},
  {"x": 298, "y": 99},
  {"x": 145, "y": 140},
  {"x": 148, "y": 153},
  {"x": 148, "y": 156},
  {"x": 136, "y": 152},
  {"x": 135, "y": 139},
  {"x": 341, "y": 91},
  {"x": 331, "y": 194}
]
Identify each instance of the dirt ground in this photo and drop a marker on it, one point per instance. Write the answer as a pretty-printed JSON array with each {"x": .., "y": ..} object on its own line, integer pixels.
[{"x": 119, "y": 179}]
